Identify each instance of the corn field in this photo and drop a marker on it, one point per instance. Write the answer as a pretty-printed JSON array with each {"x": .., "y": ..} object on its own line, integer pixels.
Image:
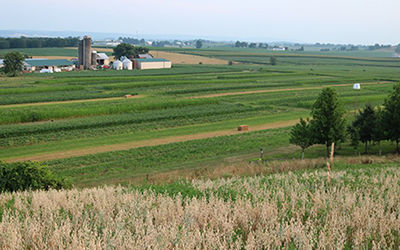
[{"x": 356, "y": 208}]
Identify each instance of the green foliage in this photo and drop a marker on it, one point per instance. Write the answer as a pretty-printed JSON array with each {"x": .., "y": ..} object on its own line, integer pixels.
[
  {"x": 365, "y": 126},
  {"x": 328, "y": 119},
  {"x": 391, "y": 116},
  {"x": 128, "y": 50},
  {"x": 302, "y": 135},
  {"x": 13, "y": 63},
  {"x": 199, "y": 44},
  {"x": 273, "y": 60},
  {"x": 28, "y": 176}
]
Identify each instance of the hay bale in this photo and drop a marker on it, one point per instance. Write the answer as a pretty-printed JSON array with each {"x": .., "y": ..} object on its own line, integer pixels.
[
  {"x": 128, "y": 96},
  {"x": 243, "y": 128}
]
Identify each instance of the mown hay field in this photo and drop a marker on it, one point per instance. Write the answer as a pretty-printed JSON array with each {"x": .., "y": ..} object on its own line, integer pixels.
[{"x": 354, "y": 206}]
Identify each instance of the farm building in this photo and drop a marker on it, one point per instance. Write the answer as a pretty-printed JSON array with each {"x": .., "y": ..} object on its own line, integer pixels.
[
  {"x": 153, "y": 63},
  {"x": 102, "y": 59},
  {"x": 53, "y": 64}
]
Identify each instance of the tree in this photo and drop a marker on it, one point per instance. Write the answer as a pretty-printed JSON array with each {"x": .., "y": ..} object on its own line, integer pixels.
[
  {"x": 397, "y": 49},
  {"x": 365, "y": 125},
  {"x": 128, "y": 50},
  {"x": 379, "y": 131},
  {"x": 199, "y": 44},
  {"x": 301, "y": 135},
  {"x": 273, "y": 60},
  {"x": 328, "y": 123},
  {"x": 13, "y": 63},
  {"x": 391, "y": 116}
]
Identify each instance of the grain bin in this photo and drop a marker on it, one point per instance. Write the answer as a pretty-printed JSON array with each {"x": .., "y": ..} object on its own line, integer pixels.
[
  {"x": 117, "y": 65},
  {"x": 127, "y": 64}
]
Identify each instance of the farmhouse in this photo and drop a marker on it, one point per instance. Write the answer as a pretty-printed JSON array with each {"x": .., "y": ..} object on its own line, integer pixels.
[
  {"x": 153, "y": 63},
  {"x": 52, "y": 64}
]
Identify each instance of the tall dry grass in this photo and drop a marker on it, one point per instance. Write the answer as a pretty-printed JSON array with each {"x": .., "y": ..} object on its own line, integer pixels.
[{"x": 357, "y": 209}]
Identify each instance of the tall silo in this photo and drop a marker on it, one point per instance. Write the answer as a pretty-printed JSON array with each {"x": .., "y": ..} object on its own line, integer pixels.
[{"x": 85, "y": 52}]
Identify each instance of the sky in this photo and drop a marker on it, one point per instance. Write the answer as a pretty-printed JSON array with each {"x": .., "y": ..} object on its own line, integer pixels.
[{"x": 309, "y": 21}]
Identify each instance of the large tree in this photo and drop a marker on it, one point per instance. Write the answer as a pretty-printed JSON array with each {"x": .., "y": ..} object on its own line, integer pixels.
[
  {"x": 391, "y": 116},
  {"x": 128, "y": 50},
  {"x": 365, "y": 125},
  {"x": 13, "y": 63},
  {"x": 301, "y": 135},
  {"x": 328, "y": 121}
]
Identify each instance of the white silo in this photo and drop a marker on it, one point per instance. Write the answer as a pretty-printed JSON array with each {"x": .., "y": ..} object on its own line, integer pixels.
[
  {"x": 117, "y": 65},
  {"x": 127, "y": 64}
]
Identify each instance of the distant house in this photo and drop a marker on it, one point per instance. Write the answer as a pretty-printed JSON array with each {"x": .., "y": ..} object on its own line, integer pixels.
[
  {"x": 102, "y": 59},
  {"x": 38, "y": 64},
  {"x": 1, "y": 63},
  {"x": 153, "y": 63}
]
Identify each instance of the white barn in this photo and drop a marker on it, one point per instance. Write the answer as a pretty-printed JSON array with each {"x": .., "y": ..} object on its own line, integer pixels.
[{"x": 153, "y": 63}]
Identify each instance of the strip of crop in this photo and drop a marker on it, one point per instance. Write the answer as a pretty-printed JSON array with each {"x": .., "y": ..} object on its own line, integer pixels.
[
  {"x": 108, "y": 166},
  {"x": 59, "y": 111}
]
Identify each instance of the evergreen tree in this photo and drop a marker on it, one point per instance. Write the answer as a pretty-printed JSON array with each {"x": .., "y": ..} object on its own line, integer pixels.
[
  {"x": 391, "y": 116},
  {"x": 379, "y": 131},
  {"x": 365, "y": 125},
  {"x": 301, "y": 135},
  {"x": 328, "y": 122}
]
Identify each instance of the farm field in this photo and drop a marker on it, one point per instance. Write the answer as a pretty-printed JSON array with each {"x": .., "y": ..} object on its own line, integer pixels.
[
  {"x": 353, "y": 206},
  {"x": 180, "y": 119}
]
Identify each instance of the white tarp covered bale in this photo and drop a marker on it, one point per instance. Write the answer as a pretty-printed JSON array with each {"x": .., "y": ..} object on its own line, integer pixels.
[
  {"x": 117, "y": 65},
  {"x": 356, "y": 86},
  {"x": 127, "y": 64},
  {"x": 46, "y": 71}
]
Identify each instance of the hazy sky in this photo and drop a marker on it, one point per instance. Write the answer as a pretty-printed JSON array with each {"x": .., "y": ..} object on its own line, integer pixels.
[{"x": 336, "y": 21}]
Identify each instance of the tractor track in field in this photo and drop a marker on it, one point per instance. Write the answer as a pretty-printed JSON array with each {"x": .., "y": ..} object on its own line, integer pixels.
[
  {"x": 68, "y": 101},
  {"x": 280, "y": 90},
  {"x": 146, "y": 143}
]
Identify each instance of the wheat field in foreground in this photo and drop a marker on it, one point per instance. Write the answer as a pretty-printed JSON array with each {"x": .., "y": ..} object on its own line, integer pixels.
[{"x": 356, "y": 208}]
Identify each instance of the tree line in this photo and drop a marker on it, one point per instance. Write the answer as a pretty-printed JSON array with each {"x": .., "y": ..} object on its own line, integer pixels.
[
  {"x": 37, "y": 42},
  {"x": 328, "y": 124}
]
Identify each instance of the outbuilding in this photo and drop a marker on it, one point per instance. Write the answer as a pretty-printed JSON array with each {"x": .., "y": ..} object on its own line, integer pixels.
[
  {"x": 153, "y": 63},
  {"x": 52, "y": 64},
  {"x": 102, "y": 59}
]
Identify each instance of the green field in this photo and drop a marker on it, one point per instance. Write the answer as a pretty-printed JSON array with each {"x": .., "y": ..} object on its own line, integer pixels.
[{"x": 79, "y": 124}]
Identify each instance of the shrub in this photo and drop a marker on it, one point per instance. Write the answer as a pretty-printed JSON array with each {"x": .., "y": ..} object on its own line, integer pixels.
[{"x": 28, "y": 175}]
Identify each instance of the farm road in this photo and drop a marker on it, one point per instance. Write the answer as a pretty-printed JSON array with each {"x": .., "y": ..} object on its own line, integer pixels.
[{"x": 146, "y": 143}]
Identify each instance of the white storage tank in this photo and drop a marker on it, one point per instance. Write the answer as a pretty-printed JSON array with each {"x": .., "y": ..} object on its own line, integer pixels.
[
  {"x": 127, "y": 64},
  {"x": 117, "y": 65},
  {"x": 356, "y": 86}
]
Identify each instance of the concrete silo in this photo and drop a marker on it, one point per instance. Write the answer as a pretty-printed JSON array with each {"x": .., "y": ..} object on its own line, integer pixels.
[{"x": 85, "y": 52}]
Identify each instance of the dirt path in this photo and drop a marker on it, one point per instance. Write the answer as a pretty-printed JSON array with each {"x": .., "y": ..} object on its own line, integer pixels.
[
  {"x": 280, "y": 90},
  {"x": 69, "y": 101},
  {"x": 145, "y": 143}
]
